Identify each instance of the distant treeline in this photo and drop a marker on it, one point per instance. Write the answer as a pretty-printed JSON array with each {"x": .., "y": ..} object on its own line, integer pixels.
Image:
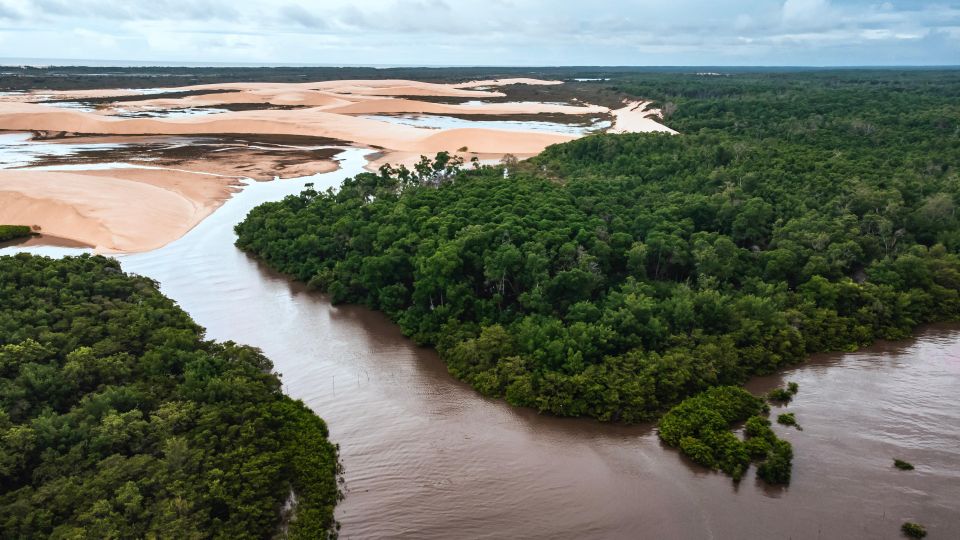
[
  {"x": 28, "y": 77},
  {"x": 613, "y": 276},
  {"x": 118, "y": 420}
]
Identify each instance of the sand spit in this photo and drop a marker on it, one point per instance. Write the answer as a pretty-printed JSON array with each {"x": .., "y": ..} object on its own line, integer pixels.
[{"x": 142, "y": 209}]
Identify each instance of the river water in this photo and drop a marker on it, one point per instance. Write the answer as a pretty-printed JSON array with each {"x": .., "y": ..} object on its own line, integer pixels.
[{"x": 426, "y": 457}]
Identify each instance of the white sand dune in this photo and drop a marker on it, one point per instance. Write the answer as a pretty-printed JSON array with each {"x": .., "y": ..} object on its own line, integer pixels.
[{"x": 636, "y": 118}]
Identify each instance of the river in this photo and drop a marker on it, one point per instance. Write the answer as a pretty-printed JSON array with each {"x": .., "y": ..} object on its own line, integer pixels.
[{"x": 426, "y": 457}]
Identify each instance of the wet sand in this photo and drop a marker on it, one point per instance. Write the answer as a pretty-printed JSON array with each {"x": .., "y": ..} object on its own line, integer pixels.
[{"x": 259, "y": 158}]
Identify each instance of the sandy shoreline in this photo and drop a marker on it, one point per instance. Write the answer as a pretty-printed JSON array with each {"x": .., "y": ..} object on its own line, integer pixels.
[
  {"x": 114, "y": 210},
  {"x": 124, "y": 209}
]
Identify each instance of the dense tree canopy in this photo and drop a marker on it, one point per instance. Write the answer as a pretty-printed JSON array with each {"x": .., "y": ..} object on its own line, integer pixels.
[
  {"x": 614, "y": 275},
  {"x": 12, "y": 232},
  {"x": 117, "y": 420},
  {"x": 700, "y": 427}
]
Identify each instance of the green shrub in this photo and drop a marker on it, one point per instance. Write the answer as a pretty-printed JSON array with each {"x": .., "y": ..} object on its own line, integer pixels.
[
  {"x": 698, "y": 451},
  {"x": 788, "y": 419},
  {"x": 913, "y": 530},
  {"x": 777, "y": 467},
  {"x": 11, "y": 232},
  {"x": 757, "y": 447},
  {"x": 711, "y": 411},
  {"x": 779, "y": 395},
  {"x": 759, "y": 427},
  {"x": 902, "y": 465},
  {"x": 701, "y": 427}
]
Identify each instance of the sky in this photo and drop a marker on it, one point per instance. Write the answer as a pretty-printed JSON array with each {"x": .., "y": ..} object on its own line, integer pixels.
[{"x": 486, "y": 32}]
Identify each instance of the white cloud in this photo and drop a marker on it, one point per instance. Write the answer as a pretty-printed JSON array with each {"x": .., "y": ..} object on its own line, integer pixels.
[
  {"x": 96, "y": 39},
  {"x": 488, "y": 31},
  {"x": 805, "y": 11}
]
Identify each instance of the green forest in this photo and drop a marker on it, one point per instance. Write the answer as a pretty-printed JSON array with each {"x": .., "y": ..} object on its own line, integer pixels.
[
  {"x": 615, "y": 275},
  {"x": 700, "y": 427},
  {"x": 12, "y": 232},
  {"x": 119, "y": 420}
]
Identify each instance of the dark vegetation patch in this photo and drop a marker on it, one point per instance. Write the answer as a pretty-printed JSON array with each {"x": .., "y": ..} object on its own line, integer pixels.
[
  {"x": 569, "y": 93},
  {"x": 233, "y": 107},
  {"x": 783, "y": 395},
  {"x": 13, "y": 232},
  {"x": 789, "y": 419},
  {"x": 118, "y": 420},
  {"x": 104, "y": 100},
  {"x": 165, "y": 151},
  {"x": 902, "y": 465},
  {"x": 85, "y": 78},
  {"x": 701, "y": 427},
  {"x": 913, "y": 530}
]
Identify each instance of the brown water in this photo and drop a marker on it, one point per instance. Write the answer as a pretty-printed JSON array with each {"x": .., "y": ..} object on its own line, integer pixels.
[{"x": 426, "y": 457}]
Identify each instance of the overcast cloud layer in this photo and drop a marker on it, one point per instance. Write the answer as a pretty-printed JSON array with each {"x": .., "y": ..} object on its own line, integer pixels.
[{"x": 487, "y": 32}]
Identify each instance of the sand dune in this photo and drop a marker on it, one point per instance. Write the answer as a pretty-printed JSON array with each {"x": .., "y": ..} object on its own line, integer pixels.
[{"x": 636, "y": 118}]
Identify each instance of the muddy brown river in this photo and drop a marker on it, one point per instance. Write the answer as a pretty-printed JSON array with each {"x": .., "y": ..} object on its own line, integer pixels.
[{"x": 426, "y": 457}]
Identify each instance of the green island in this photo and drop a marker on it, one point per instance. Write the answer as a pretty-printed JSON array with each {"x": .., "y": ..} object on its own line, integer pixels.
[
  {"x": 913, "y": 530},
  {"x": 13, "y": 232},
  {"x": 789, "y": 419},
  {"x": 782, "y": 396},
  {"x": 700, "y": 427},
  {"x": 119, "y": 420},
  {"x": 903, "y": 465}
]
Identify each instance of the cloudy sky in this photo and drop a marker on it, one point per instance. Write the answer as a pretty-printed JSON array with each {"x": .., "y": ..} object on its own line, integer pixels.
[{"x": 487, "y": 32}]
